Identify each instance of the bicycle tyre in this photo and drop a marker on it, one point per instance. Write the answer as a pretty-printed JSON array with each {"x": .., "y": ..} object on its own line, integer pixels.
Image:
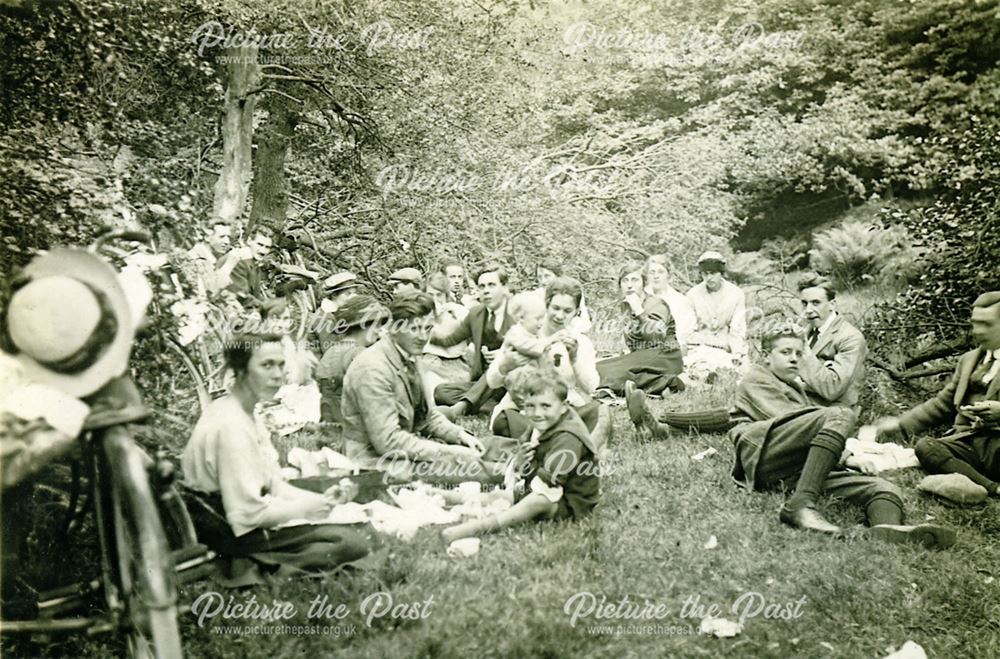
[{"x": 145, "y": 571}]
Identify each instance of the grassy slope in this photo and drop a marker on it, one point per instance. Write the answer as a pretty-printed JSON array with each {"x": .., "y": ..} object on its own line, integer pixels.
[{"x": 646, "y": 541}]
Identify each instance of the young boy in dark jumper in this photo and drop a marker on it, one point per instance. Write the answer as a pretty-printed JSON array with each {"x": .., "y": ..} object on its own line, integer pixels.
[{"x": 560, "y": 461}]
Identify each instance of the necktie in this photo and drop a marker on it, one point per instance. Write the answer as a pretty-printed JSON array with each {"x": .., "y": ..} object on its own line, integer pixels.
[{"x": 813, "y": 337}]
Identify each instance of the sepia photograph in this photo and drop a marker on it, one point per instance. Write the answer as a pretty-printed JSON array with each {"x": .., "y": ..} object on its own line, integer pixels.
[{"x": 500, "y": 328}]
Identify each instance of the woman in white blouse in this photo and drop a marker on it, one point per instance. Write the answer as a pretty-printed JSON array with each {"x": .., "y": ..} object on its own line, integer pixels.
[
  {"x": 232, "y": 467},
  {"x": 658, "y": 283},
  {"x": 573, "y": 357}
]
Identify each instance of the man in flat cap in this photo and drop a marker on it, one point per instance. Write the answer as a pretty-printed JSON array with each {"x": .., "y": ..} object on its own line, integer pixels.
[
  {"x": 338, "y": 288},
  {"x": 406, "y": 280},
  {"x": 970, "y": 452}
]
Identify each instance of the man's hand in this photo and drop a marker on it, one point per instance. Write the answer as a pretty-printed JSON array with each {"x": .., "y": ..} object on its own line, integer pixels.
[
  {"x": 884, "y": 426},
  {"x": 342, "y": 492},
  {"x": 489, "y": 355},
  {"x": 986, "y": 411}
]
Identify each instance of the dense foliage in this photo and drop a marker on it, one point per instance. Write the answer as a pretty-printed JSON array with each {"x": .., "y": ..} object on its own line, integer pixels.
[{"x": 394, "y": 133}]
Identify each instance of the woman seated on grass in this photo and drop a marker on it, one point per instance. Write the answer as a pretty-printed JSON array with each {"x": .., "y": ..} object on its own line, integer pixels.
[
  {"x": 572, "y": 356},
  {"x": 232, "y": 468},
  {"x": 556, "y": 455},
  {"x": 654, "y": 359}
]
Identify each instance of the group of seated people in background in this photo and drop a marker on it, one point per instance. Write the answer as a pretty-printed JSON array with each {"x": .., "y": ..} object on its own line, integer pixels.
[
  {"x": 397, "y": 377},
  {"x": 396, "y": 372}
]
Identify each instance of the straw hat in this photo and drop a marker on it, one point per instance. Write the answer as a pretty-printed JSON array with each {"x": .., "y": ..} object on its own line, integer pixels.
[{"x": 70, "y": 320}]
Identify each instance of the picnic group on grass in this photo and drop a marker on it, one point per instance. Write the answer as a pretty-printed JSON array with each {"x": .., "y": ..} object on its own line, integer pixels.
[{"x": 394, "y": 369}]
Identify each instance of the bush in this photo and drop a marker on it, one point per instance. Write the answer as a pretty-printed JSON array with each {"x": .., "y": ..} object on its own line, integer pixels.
[{"x": 859, "y": 253}]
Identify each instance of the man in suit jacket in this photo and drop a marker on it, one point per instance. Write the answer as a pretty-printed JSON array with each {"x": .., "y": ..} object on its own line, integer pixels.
[
  {"x": 971, "y": 401},
  {"x": 485, "y": 327},
  {"x": 387, "y": 422},
  {"x": 833, "y": 366}
]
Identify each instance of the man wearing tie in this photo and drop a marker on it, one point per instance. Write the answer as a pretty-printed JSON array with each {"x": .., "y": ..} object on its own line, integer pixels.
[
  {"x": 971, "y": 450},
  {"x": 485, "y": 327},
  {"x": 833, "y": 364}
]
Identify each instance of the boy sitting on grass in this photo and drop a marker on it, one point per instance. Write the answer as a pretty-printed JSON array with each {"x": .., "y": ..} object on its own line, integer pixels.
[
  {"x": 559, "y": 460},
  {"x": 782, "y": 440}
]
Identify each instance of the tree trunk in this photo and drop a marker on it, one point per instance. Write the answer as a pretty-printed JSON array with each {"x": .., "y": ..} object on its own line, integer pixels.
[
  {"x": 242, "y": 84},
  {"x": 269, "y": 189}
]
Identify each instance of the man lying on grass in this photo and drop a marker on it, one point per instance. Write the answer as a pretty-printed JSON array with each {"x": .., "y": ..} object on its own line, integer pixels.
[
  {"x": 559, "y": 459},
  {"x": 784, "y": 441}
]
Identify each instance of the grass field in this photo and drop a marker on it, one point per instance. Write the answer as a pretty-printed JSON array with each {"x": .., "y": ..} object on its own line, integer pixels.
[{"x": 646, "y": 542}]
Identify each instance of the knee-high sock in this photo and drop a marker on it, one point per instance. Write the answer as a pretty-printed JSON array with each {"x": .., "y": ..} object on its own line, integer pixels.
[
  {"x": 937, "y": 459},
  {"x": 824, "y": 453},
  {"x": 884, "y": 510}
]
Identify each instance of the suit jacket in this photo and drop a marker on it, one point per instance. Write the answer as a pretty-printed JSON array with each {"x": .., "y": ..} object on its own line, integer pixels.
[
  {"x": 245, "y": 279},
  {"x": 834, "y": 370},
  {"x": 383, "y": 410},
  {"x": 472, "y": 328},
  {"x": 762, "y": 399},
  {"x": 944, "y": 406}
]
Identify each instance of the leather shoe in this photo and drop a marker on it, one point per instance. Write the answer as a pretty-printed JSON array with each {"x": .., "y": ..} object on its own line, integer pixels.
[
  {"x": 930, "y": 536},
  {"x": 809, "y": 519},
  {"x": 640, "y": 414}
]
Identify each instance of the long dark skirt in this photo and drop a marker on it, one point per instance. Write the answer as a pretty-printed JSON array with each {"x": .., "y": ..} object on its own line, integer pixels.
[
  {"x": 306, "y": 547},
  {"x": 652, "y": 370}
]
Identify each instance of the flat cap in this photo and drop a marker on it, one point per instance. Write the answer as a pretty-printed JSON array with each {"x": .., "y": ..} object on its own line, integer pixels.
[
  {"x": 407, "y": 274},
  {"x": 987, "y": 299},
  {"x": 340, "y": 281}
]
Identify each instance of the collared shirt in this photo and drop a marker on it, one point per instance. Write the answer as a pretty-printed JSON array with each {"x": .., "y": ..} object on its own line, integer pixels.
[
  {"x": 822, "y": 328},
  {"x": 409, "y": 360},
  {"x": 498, "y": 318},
  {"x": 991, "y": 359}
]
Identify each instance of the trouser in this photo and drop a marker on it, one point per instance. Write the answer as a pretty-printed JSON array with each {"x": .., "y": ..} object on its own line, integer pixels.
[
  {"x": 789, "y": 442},
  {"x": 980, "y": 451},
  {"x": 784, "y": 451},
  {"x": 474, "y": 395}
]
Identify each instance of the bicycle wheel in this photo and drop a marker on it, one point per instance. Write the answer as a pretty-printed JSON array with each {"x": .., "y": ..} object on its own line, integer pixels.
[{"x": 145, "y": 571}]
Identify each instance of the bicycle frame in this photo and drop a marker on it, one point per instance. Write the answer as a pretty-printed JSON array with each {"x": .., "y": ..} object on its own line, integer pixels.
[{"x": 125, "y": 509}]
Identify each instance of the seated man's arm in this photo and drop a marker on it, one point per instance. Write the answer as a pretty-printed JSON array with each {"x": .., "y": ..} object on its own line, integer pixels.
[
  {"x": 449, "y": 335},
  {"x": 832, "y": 379},
  {"x": 937, "y": 410},
  {"x": 375, "y": 399}
]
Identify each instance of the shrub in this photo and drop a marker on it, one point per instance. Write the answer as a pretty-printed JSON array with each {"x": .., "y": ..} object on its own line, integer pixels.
[{"x": 859, "y": 253}]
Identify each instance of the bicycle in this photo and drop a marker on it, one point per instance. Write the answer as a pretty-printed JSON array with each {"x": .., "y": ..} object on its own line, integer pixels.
[{"x": 139, "y": 516}]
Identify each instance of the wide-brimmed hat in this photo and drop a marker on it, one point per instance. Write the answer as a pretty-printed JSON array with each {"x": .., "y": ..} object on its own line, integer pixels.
[
  {"x": 70, "y": 320},
  {"x": 411, "y": 275},
  {"x": 360, "y": 311},
  {"x": 340, "y": 281}
]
